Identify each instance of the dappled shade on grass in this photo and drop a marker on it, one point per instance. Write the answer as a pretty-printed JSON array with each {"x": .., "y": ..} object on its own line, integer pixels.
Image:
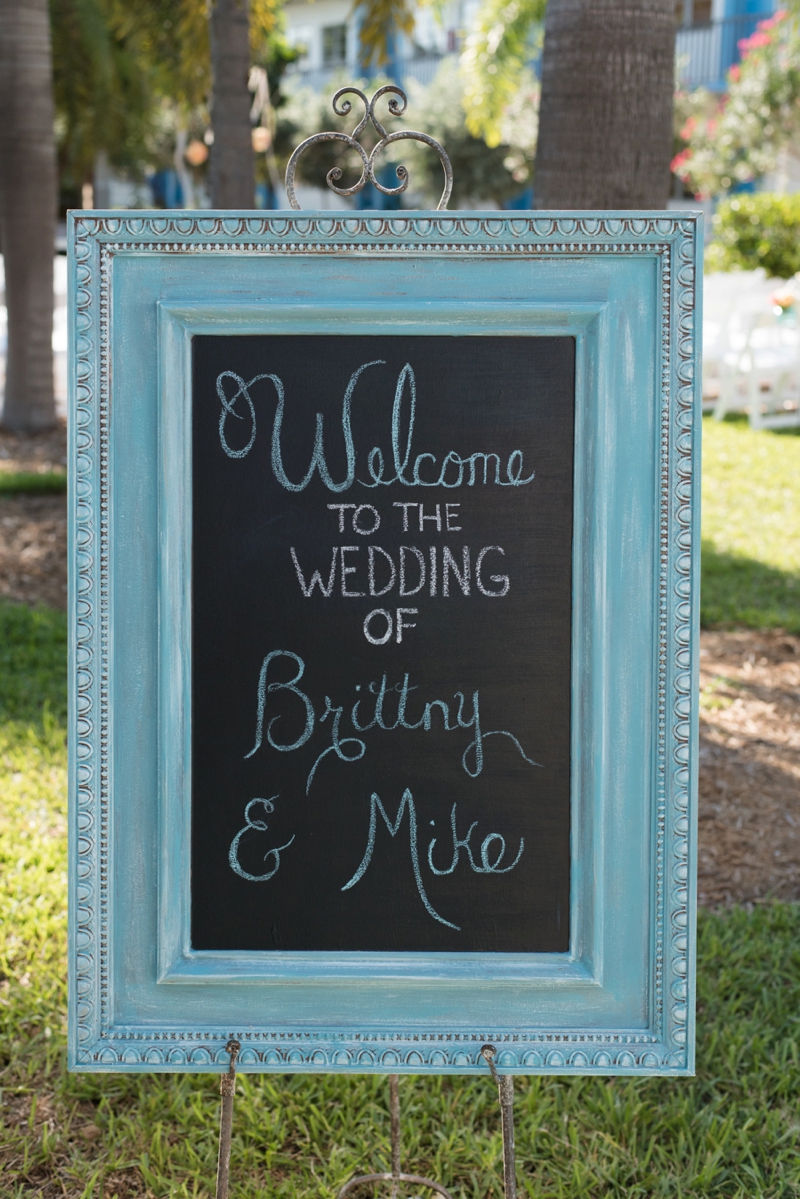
[{"x": 738, "y": 590}]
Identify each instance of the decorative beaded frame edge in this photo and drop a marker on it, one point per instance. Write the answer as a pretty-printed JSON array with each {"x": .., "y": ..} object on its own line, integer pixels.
[{"x": 95, "y": 237}]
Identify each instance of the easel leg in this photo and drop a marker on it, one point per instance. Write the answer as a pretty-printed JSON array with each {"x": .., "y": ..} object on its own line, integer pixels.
[
  {"x": 227, "y": 1089},
  {"x": 394, "y": 1116},
  {"x": 396, "y": 1176},
  {"x": 505, "y": 1091}
]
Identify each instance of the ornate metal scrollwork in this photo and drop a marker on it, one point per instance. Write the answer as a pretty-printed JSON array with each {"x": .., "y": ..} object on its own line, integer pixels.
[{"x": 396, "y": 108}]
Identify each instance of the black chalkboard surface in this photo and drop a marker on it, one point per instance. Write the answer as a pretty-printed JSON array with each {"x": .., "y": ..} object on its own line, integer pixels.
[{"x": 382, "y": 540}]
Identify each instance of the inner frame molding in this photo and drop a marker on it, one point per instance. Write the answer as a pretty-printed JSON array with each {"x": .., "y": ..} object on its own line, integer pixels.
[
  {"x": 105, "y": 1033},
  {"x": 179, "y": 322}
]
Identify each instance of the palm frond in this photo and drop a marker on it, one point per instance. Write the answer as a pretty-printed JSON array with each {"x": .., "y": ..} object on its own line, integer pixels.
[
  {"x": 380, "y": 19},
  {"x": 500, "y": 45}
]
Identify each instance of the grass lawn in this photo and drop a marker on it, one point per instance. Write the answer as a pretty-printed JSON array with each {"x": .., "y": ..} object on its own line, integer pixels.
[
  {"x": 44, "y": 483},
  {"x": 732, "y": 1132},
  {"x": 751, "y": 526}
]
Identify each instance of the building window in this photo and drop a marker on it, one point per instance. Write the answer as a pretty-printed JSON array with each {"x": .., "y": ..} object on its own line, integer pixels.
[
  {"x": 692, "y": 12},
  {"x": 334, "y": 45}
]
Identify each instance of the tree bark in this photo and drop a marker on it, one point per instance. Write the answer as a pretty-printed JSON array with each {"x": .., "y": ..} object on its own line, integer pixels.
[
  {"x": 27, "y": 211},
  {"x": 605, "y": 123},
  {"x": 232, "y": 174}
]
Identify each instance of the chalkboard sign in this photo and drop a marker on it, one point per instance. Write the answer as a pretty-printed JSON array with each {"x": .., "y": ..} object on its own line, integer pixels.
[
  {"x": 382, "y": 572},
  {"x": 384, "y": 547}
]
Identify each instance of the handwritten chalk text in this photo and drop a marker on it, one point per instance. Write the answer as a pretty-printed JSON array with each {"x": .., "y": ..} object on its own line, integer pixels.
[
  {"x": 408, "y": 469},
  {"x": 375, "y": 697},
  {"x": 376, "y": 571},
  {"x": 257, "y": 826},
  {"x": 407, "y": 805}
]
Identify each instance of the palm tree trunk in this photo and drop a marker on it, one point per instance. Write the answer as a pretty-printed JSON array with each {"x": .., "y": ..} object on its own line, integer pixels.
[
  {"x": 27, "y": 211},
  {"x": 605, "y": 125},
  {"x": 232, "y": 175}
]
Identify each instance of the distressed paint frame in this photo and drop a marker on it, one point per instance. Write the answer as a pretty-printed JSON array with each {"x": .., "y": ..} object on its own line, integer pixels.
[{"x": 221, "y": 294}]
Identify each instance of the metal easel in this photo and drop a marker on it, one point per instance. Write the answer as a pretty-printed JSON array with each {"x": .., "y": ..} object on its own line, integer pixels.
[
  {"x": 505, "y": 1089},
  {"x": 227, "y": 1089},
  {"x": 505, "y": 1092},
  {"x": 505, "y": 1083},
  {"x": 396, "y": 1176},
  {"x": 398, "y": 102}
]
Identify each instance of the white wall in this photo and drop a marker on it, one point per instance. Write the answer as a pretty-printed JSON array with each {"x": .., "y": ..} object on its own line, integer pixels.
[
  {"x": 304, "y": 25},
  {"x": 305, "y": 20}
]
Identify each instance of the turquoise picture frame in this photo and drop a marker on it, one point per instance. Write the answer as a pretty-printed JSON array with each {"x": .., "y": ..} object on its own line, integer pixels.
[{"x": 625, "y": 286}]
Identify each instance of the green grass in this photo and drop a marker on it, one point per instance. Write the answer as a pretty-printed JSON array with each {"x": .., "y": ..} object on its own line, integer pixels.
[
  {"x": 32, "y": 482},
  {"x": 33, "y": 648},
  {"x": 751, "y": 527},
  {"x": 733, "y": 1132}
]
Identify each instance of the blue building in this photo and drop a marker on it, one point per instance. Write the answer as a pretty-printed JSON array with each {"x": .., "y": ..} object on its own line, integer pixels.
[{"x": 708, "y": 36}]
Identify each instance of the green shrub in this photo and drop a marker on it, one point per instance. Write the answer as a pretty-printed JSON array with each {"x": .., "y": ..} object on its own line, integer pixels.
[{"x": 757, "y": 230}]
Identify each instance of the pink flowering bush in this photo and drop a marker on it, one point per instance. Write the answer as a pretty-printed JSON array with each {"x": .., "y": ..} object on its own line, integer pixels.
[{"x": 737, "y": 138}]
